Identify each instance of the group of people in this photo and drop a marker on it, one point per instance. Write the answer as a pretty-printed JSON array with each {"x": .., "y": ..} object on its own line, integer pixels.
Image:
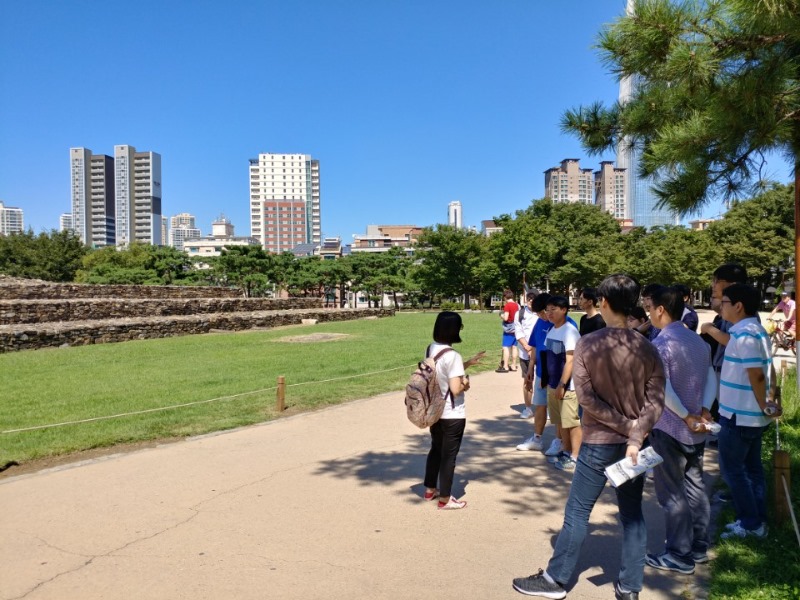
[{"x": 616, "y": 382}]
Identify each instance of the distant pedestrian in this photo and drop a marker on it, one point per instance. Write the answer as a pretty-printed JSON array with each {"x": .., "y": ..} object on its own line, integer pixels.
[
  {"x": 789, "y": 309},
  {"x": 508, "y": 362},
  {"x": 619, "y": 379},
  {"x": 679, "y": 436},
  {"x": 524, "y": 323},
  {"x": 592, "y": 320},
  {"x": 689, "y": 316},
  {"x": 448, "y": 431}
]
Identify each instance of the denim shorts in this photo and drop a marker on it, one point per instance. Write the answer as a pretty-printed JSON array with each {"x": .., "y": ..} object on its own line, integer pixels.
[{"x": 539, "y": 393}]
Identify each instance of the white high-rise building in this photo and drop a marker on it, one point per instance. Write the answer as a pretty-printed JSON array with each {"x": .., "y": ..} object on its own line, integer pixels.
[
  {"x": 642, "y": 203},
  {"x": 455, "y": 215},
  {"x": 11, "y": 220},
  {"x": 181, "y": 228},
  {"x": 92, "y": 196},
  {"x": 137, "y": 178},
  {"x": 65, "y": 222},
  {"x": 284, "y": 201}
]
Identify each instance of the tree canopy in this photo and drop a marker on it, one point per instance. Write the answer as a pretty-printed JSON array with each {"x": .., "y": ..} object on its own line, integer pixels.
[{"x": 716, "y": 88}]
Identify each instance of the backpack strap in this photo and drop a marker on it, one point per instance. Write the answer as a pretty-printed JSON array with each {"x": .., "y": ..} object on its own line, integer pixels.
[{"x": 436, "y": 360}]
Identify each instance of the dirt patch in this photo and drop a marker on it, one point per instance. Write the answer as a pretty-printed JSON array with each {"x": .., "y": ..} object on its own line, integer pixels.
[{"x": 313, "y": 338}]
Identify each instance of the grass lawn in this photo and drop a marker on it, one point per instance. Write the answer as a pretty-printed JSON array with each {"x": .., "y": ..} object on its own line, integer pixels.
[
  {"x": 60, "y": 385},
  {"x": 768, "y": 568}
]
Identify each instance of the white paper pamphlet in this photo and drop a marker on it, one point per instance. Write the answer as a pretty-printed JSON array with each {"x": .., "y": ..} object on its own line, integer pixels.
[{"x": 625, "y": 470}]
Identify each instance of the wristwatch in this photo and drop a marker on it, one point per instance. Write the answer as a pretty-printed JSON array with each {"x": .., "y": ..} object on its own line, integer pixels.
[{"x": 561, "y": 384}]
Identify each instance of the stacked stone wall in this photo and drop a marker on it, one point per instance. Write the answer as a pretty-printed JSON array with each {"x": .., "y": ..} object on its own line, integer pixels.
[
  {"x": 40, "y": 290},
  {"x": 49, "y": 335},
  {"x": 85, "y": 309}
]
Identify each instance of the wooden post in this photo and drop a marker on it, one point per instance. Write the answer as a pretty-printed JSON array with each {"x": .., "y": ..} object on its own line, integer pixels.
[
  {"x": 280, "y": 394},
  {"x": 782, "y": 469}
]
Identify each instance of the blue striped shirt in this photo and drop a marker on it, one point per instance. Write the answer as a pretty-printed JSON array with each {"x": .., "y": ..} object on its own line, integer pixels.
[{"x": 748, "y": 347}]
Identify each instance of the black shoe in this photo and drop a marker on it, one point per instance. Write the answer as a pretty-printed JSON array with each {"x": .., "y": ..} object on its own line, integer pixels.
[
  {"x": 537, "y": 585},
  {"x": 620, "y": 595}
]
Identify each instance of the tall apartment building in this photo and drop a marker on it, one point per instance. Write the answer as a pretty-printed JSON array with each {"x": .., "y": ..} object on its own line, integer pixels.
[
  {"x": 92, "y": 195},
  {"x": 182, "y": 227},
  {"x": 11, "y": 220},
  {"x": 455, "y": 216},
  {"x": 284, "y": 201},
  {"x": 137, "y": 178},
  {"x": 569, "y": 183},
  {"x": 642, "y": 207},
  {"x": 65, "y": 222},
  {"x": 611, "y": 184}
]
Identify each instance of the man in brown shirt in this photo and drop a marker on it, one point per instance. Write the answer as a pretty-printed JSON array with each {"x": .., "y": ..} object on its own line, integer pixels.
[{"x": 619, "y": 379}]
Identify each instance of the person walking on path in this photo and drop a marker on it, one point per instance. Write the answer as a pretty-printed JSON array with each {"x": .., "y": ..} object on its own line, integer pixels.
[
  {"x": 679, "y": 435},
  {"x": 619, "y": 380},
  {"x": 510, "y": 352},
  {"x": 448, "y": 431},
  {"x": 524, "y": 323}
]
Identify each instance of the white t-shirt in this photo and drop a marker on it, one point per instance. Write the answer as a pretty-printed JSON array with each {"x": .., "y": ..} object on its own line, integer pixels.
[
  {"x": 558, "y": 342},
  {"x": 448, "y": 366},
  {"x": 524, "y": 327}
]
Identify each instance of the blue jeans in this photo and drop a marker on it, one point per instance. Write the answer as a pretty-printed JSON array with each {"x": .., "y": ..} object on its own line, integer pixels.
[
  {"x": 588, "y": 482},
  {"x": 741, "y": 468}
]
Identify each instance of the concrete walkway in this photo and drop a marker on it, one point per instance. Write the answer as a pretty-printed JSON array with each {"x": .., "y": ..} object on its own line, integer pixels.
[{"x": 320, "y": 505}]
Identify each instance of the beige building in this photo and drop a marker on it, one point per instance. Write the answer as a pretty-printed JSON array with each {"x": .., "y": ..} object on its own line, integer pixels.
[
  {"x": 569, "y": 183},
  {"x": 92, "y": 196},
  {"x": 380, "y": 238},
  {"x": 610, "y": 185},
  {"x": 701, "y": 224},
  {"x": 488, "y": 227},
  {"x": 221, "y": 237}
]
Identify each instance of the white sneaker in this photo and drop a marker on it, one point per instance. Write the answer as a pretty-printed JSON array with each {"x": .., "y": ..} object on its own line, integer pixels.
[
  {"x": 554, "y": 449},
  {"x": 532, "y": 443},
  {"x": 737, "y": 531},
  {"x": 526, "y": 413}
]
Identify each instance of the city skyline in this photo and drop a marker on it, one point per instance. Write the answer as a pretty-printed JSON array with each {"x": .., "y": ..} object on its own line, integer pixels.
[{"x": 404, "y": 113}]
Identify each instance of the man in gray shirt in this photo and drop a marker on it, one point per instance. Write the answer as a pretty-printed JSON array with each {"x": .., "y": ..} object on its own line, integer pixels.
[{"x": 619, "y": 380}]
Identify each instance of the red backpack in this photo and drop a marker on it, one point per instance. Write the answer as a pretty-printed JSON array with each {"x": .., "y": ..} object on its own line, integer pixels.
[{"x": 424, "y": 400}]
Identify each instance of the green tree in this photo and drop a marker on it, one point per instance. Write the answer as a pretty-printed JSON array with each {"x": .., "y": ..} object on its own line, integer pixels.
[
  {"x": 448, "y": 261},
  {"x": 717, "y": 89},
  {"x": 245, "y": 267},
  {"x": 51, "y": 256},
  {"x": 758, "y": 234}
]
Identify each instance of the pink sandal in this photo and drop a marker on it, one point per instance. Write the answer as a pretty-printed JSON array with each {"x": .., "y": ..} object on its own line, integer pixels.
[
  {"x": 452, "y": 504},
  {"x": 431, "y": 495}
]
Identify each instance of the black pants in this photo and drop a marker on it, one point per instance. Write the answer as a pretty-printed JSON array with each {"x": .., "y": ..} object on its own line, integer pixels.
[{"x": 446, "y": 436}]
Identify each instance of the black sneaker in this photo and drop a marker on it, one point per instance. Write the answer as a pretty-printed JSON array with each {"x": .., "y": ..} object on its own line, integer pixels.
[
  {"x": 620, "y": 595},
  {"x": 537, "y": 585}
]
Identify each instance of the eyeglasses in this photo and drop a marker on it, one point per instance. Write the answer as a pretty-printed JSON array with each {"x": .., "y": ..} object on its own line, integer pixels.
[{"x": 723, "y": 301}]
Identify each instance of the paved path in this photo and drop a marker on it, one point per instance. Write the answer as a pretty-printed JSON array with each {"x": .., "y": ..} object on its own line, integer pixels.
[{"x": 320, "y": 505}]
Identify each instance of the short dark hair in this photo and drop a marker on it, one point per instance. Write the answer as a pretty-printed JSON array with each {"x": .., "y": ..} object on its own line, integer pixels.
[
  {"x": 508, "y": 294},
  {"x": 732, "y": 272},
  {"x": 531, "y": 295},
  {"x": 683, "y": 289},
  {"x": 447, "y": 328},
  {"x": 559, "y": 301},
  {"x": 638, "y": 313},
  {"x": 590, "y": 294},
  {"x": 620, "y": 291},
  {"x": 540, "y": 302},
  {"x": 746, "y": 294},
  {"x": 650, "y": 289},
  {"x": 671, "y": 298}
]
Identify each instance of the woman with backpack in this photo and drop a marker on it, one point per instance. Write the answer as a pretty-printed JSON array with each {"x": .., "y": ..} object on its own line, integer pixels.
[{"x": 447, "y": 432}]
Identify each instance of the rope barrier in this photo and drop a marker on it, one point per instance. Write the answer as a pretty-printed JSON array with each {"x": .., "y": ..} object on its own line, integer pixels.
[
  {"x": 791, "y": 509},
  {"x": 198, "y": 402}
]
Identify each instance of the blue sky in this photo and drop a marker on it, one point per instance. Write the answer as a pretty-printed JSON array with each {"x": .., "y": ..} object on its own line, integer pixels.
[{"x": 407, "y": 105}]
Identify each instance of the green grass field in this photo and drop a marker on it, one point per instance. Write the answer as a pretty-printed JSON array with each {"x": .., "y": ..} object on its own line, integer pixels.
[{"x": 60, "y": 385}]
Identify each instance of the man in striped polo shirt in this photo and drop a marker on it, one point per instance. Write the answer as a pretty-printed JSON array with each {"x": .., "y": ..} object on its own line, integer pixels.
[
  {"x": 744, "y": 385},
  {"x": 679, "y": 435}
]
